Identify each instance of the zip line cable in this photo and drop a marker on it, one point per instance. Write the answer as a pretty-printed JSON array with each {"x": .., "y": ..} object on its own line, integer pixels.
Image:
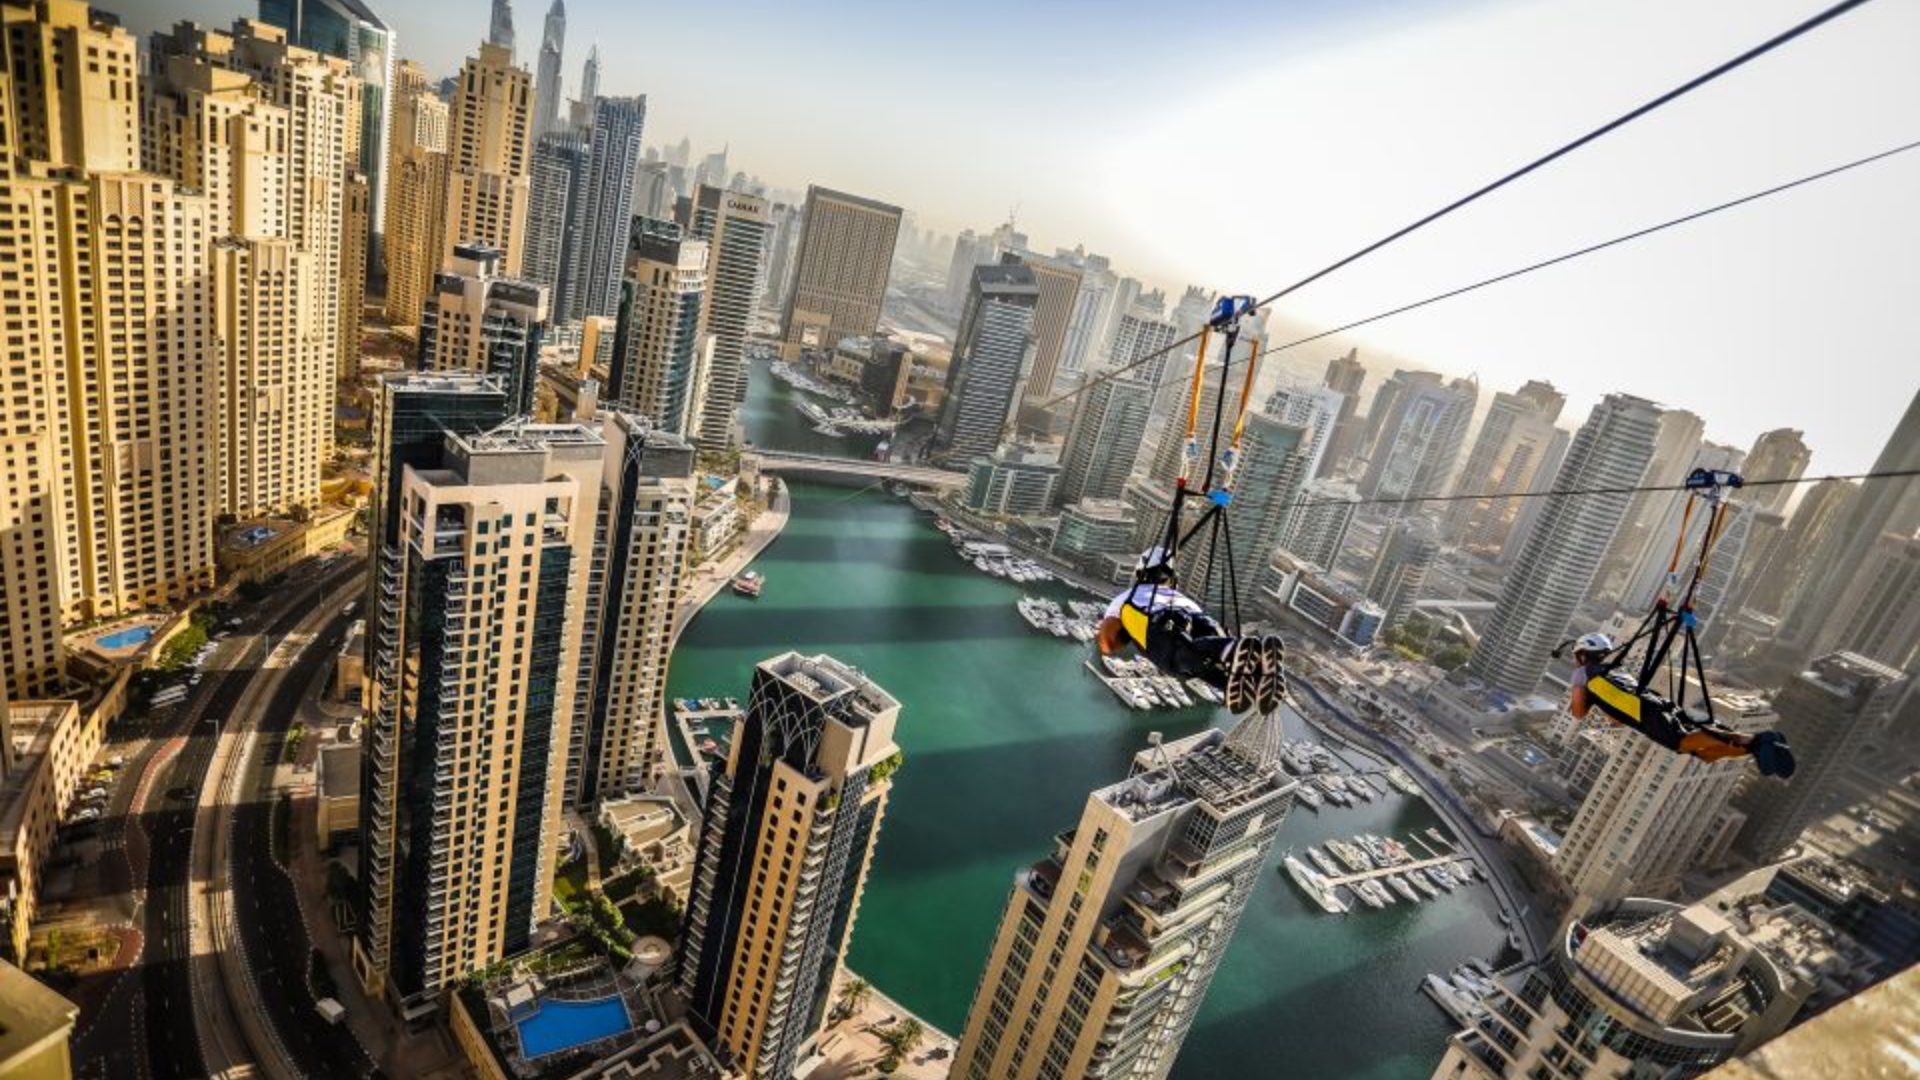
[
  {"x": 1601, "y": 246},
  {"x": 1754, "y": 53},
  {"x": 1558, "y": 493}
]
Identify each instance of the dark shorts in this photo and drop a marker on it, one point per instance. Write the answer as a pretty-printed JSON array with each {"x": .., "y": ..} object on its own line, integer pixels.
[{"x": 1187, "y": 644}]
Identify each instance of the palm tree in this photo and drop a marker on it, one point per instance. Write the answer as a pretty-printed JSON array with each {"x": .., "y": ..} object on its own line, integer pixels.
[
  {"x": 854, "y": 993},
  {"x": 903, "y": 1038}
]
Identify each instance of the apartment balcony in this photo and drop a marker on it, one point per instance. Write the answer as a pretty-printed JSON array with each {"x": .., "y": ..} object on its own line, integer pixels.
[
  {"x": 1123, "y": 944},
  {"x": 1043, "y": 878}
]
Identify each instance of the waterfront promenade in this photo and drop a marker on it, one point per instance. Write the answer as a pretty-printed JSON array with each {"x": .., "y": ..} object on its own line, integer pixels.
[{"x": 709, "y": 578}]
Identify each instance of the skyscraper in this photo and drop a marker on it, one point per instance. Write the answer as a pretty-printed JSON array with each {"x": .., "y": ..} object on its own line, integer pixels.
[
  {"x": 969, "y": 251},
  {"x": 1109, "y": 427},
  {"x": 1506, "y": 455},
  {"x": 991, "y": 354},
  {"x": 1345, "y": 376},
  {"x": 1545, "y": 477},
  {"x": 547, "y": 89},
  {"x": 1556, "y": 566},
  {"x": 1168, "y": 456},
  {"x": 1313, "y": 408},
  {"x": 657, "y": 341},
  {"x": 1407, "y": 551},
  {"x": 1317, "y": 530},
  {"x": 1144, "y": 336},
  {"x": 269, "y": 131},
  {"x": 1058, "y": 282},
  {"x": 1652, "y": 813},
  {"x": 640, "y": 549},
  {"x": 1637, "y": 988},
  {"x": 556, "y": 199},
  {"x": 1784, "y": 577},
  {"x": 1816, "y": 622},
  {"x": 1780, "y": 454},
  {"x": 356, "y": 210},
  {"x": 1273, "y": 469},
  {"x": 582, "y": 108},
  {"x": 490, "y": 148},
  {"x": 350, "y": 31},
  {"x": 1092, "y": 315},
  {"x": 413, "y": 417},
  {"x": 606, "y": 218},
  {"x": 1420, "y": 438},
  {"x": 1826, "y": 711},
  {"x": 790, "y": 828},
  {"x": 500, "y": 27},
  {"x": 416, "y": 202},
  {"x": 734, "y": 226},
  {"x": 1108, "y": 943},
  {"x": 482, "y": 321},
  {"x": 108, "y": 420},
  {"x": 1880, "y": 608},
  {"x": 840, "y": 273},
  {"x": 1681, "y": 434}
]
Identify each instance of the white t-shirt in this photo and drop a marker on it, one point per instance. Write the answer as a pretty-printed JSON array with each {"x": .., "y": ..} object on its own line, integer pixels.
[{"x": 1153, "y": 598}]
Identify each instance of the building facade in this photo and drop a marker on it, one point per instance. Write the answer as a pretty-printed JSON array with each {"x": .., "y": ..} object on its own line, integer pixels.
[
  {"x": 1108, "y": 944},
  {"x": 1408, "y": 550},
  {"x": 840, "y": 270},
  {"x": 656, "y": 343},
  {"x": 489, "y": 152},
  {"x": 480, "y": 320},
  {"x": 1109, "y": 428},
  {"x": 556, "y": 196},
  {"x": 471, "y": 699},
  {"x": 416, "y": 199},
  {"x": 734, "y": 226},
  {"x": 991, "y": 354},
  {"x": 1317, "y": 529},
  {"x": 1556, "y": 567},
  {"x": 789, "y": 833},
  {"x": 606, "y": 218}
]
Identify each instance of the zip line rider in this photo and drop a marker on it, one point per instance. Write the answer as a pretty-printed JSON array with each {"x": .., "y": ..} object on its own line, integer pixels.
[
  {"x": 1596, "y": 683},
  {"x": 1171, "y": 629},
  {"x": 1174, "y": 632},
  {"x": 1627, "y": 700}
]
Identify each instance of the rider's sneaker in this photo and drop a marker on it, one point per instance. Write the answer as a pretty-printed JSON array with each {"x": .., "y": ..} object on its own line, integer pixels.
[
  {"x": 1244, "y": 670},
  {"x": 1273, "y": 682}
]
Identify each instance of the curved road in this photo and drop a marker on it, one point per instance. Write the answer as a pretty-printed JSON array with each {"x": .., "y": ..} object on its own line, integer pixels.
[
  {"x": 150, "y": 1032},
  {"x": 273, "y": 934}
]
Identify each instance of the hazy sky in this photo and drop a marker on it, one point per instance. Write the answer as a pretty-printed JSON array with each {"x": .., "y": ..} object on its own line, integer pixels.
[{"x": 1242, "y": 144}]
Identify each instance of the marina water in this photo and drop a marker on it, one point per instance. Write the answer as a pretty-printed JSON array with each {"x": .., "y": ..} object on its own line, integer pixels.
[{"x": 1005, "y": 733}]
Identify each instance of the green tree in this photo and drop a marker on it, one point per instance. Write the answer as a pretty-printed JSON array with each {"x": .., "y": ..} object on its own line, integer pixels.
[
  {"x": 901, "y": 1040},
  {"x": 854, "y": 993}
]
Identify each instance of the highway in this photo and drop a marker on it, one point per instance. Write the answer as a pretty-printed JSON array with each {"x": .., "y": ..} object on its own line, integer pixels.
[
  {"x": 147, "y": 1028},
  {"x": 273, "y": 934}
]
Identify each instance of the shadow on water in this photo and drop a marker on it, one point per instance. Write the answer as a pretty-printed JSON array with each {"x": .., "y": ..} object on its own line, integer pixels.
[{"x": 1005, "y": 735}]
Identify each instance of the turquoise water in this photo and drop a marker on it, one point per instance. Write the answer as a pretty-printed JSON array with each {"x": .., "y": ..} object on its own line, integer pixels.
[
  {"x": 563, "y": 1025},
  {"x": 1005, "y": 732},
  {"x": 121, "y": 639}
]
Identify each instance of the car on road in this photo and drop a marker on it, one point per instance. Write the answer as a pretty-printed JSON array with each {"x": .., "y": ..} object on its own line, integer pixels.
[{"x": 88, "y": 814}]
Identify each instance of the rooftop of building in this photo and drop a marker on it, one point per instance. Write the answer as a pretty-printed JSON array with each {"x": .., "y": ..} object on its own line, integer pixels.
[
  {"x": 1199, "y": 768},
  {"x": 338, "y": 773},
  {"x": 1684, "y": 969},
  {"x": 1870, "y": 1034},
  {"x": 853, "y": 200},
  {"x": 824, "y": 679},
  {"x": 33, "y": 1020},
  {"x": 1110, "y": 510},
  {"x": 32, "y": 725}
]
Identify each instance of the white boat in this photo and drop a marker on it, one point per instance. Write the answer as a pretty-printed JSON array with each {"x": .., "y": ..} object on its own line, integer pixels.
[
  {"x": 1398, "y": 777},
  {"x": 1405, "y": 890},
  {"x": 1204, "y": 692},
  {"x": 1441, "y": 877},
  {"x": 1379, "y": 890},
  {"x": 1314, "y": 886},
  {"x": 1371, "y": 894},
  {"x": 1324, "y": 861},
  {"x": 1307, "y": 796},
  {"x": 1359, "y": 789},
  {"x": 1421, "y": 882},
  {"x": 1335, "y": 795},
  {"x": 1354, "y": 859}
]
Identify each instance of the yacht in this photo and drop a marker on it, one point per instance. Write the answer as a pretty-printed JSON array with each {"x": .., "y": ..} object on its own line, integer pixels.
[
  {"x": 749, "y": 584},
  {"x": 1405, "y": 890},
  {"x": 1371, "y": 894},
  {"x": 1308, "y": 796},
  {"x": 1324, "y": 861},
  {"x": 1314, "y": 886},
  {"x": 1205, "y": 692},
  {"x": 1441, "y": 877},
  {"x": 1398, "y": 777},
  {"x": 1422, "y": 882}
]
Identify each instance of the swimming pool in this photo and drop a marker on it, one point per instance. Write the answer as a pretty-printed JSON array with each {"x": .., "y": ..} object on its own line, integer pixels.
[
  {"x": 563, "y": 1025},
  {"x": 123, "y": 639}
]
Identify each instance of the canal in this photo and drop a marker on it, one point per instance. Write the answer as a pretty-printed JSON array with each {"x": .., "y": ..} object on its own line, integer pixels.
[{"x": 1005, "y": 732}]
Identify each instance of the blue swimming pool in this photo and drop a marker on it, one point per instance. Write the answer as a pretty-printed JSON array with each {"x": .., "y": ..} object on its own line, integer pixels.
[
  {"x": 122, "y": 639},
  {"x": 563, "y": 1025}
]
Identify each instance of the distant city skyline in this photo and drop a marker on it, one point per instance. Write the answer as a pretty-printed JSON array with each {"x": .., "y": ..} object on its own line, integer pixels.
[{"x": 1358, "y": 118}]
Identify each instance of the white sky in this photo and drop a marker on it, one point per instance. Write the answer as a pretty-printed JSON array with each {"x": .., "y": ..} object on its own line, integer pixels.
[{"x": 1241, "y": 144}]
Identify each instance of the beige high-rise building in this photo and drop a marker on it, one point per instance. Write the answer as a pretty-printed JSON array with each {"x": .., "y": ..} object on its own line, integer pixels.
[
  {"x": 355, "y": 218},
  {"x": 1638, "y": 988},
  {"x": 1653, "y": 815},
  {"x": 840, "y": 283},
  {"x": 1108, "y": 944},
  {"x": 735, "y": 226},
  {"x": 640, "y": 553},
  {"x": 107, "y": 425},
  {"x": 1059, "y": 283},
  {"x": 270, "y": 132},
  {"x": 471, "y": 699},
  {"x": 489, "y": 148},
  {"x": 666, "y": 282},
  {"x": 785, "y": 847},
  {"x": 478, "y": 319},
  {"x": 416, "y": 193}
]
